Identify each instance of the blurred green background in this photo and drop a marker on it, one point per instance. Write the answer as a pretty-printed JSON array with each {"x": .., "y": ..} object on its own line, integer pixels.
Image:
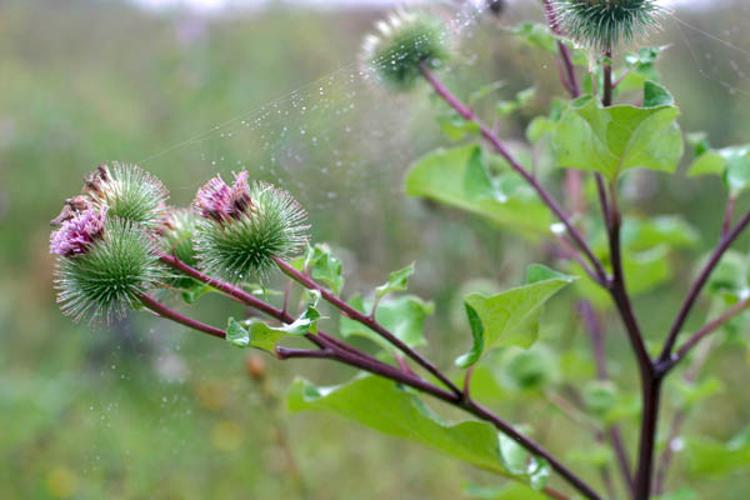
[{"x": 142, "y": 408}]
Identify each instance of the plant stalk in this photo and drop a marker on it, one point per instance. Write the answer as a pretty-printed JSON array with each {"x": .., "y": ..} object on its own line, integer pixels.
[
  {"x": 330, "y": 348},
  {"x": 725, "y": 242},
  {"x": 366, "y": 320},
  {"x": 468, "y": 114},
  {"x": 169, "y": 313}
]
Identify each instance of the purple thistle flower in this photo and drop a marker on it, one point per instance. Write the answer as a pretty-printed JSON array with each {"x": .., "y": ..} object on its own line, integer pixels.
[
  {"x": 70, "y": 209},
  {"x": 240, "y": 199},
  {"x": 78, "y": 233},
  {"x": 217, "y": 201}
]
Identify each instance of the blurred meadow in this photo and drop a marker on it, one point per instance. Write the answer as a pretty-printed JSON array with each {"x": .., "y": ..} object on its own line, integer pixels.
[{"x": 144, "y": 409}]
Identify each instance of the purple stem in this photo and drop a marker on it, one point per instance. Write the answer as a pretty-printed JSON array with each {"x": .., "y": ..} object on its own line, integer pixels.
[
  {"x": 570, "y": 80},
  {"x": 695, "y": 289},
  {"x": 168, "y": 313},
  {"x": 468, "y": 114},
  {"x": 331, "y": 348},
  {"x": 366, "y": 320},
  {"x": 708, "y": 329},
  {"x": 728, "y": 214},
  {"x": 678, "y": 420}
]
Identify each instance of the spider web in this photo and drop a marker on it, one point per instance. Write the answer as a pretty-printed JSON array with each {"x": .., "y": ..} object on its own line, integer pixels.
[{"x": 330, "y": 141}]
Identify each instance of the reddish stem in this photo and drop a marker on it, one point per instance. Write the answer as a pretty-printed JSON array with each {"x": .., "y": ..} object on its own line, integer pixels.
[
  {"x": 728, "y": 214},
  {"x": 366, "y": 320},
  {"x": 725, "y": 242},
  {"x": 468, "y": 114},
  {"x": 168, "y": 313},
  {"x": 330, "y": 348},
  {"x": 709, "y": 328}
]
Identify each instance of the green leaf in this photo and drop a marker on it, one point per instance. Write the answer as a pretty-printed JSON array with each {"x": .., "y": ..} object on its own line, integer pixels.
[
  {"x": 737, "y": 176},
  {"x": 237, "y": 335},
  {"x": 733, "y": 163},
  {"x": 266, "y": 337},
  {"x": 709, "y": 163},
  {"x": 689, "y": 394},
  {"x": 699, "y": 142},
  {"x": 307, "y": 322},
  {"x": 522, "y": 100},
  {"x": 644, "y": 59},
  {"x": 641, "y": 67},
  {"x": 593, "y": 455},
  {"x": 526, "y": 370},
  {"x": 614, "y": 139},
  {"x": 730, "y": 276},
  {"x": 672, "y": 230},
  {"x": 526, "y": 97},
  {"x": 322, "y": 266},
  {"x": 263, "y": 336},
  {"x": 536, "y": 35},
  {"x": 540, "y": 272},
  {"x": 484, "y": 91},
  {"x": 403, "y": 316},
  {"x": 459, "y": 177},
  {"x": 510, "y": 317},
  {"x": 539, "y": 128},
  {"x": 506, "y": 108},
  {"x": 195, "y": 292},
  {"x": 646, "y": 270},
  {"x": 709, "y": 457},
  {"x": 384, "y": 406},
  {"x": 512, "y": 491},
  {"x": 397, "y": 282},
  {"x": 456, "y": 128},
  {"x": 627, "y": 407},
  {"x": 682, "y": 494},
  {"x": 655, "y": 95},
  {"x": 600, "y": 397}
]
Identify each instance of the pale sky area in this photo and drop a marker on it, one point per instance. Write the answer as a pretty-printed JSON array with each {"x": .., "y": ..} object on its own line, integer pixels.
[{"x": 217, "y": 5}]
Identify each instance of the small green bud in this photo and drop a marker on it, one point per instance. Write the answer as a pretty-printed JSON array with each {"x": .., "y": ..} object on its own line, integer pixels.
[
  {"x": 528, "y": 370},
  {"x": 403, "y": 42},
  {"x": 106, "y": 276},
  {"x": 243, "y": 227},
  {"x": 128, "y": 192},
  {"x": 600, "y": 397},
  {"x": 177, "y": 233},
  {"x": 604, "y": 24}
]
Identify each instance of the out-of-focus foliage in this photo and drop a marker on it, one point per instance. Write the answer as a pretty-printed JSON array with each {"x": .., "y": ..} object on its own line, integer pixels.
[{"x": 144, "y": 409}]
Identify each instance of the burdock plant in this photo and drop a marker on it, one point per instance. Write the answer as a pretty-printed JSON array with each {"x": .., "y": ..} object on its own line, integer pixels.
[
  {"x": 115, "y": 242},
  {"x": 401, "y": 44},
  {"x": 128, "y": 192},
  {"x": 605, "y": 24},
  {"x": 105, "y": 264},
  {"x": 245, "y": 226}
]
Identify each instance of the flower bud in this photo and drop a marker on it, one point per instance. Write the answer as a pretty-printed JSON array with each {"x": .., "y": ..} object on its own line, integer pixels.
[
  {"x": 104, "y": 264},
  {"x": 78, "y": 231},
  {"x": 128, "y": 192},
  {"x": 177, "y": 237},
  {"x": 244, "y": 226},
  {"x": 604, "y": 24},
  {"x": 403, "y": 42}
]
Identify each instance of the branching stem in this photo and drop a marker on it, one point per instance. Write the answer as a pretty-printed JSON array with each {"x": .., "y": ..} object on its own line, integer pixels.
[
  {"x": 169, "y": 313},
  {"x": 331, "y": 348},
  {"x": 694, "y": 292},
  {"x": 367, "y": 320},
  {"x": 499, "y": 147}
]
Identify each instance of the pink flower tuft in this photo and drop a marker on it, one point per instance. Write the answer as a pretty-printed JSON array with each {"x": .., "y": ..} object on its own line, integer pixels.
[
  {"x": 78, "y": 233},
  {"x": 240, "y": 200},
  {"x": 218, "y": 201}
]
